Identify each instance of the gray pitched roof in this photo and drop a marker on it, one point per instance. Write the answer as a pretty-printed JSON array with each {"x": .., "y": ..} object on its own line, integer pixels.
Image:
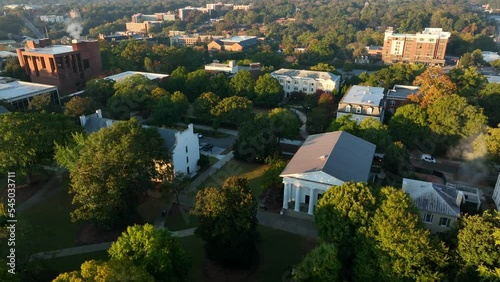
[
  {"x": 433, "y": 197},
  {"x": 3, "y": 110},
  {"x": 93, "y": 123},
  {"x": 168, "y": 136},
  {"x": 339, "y": 154}
]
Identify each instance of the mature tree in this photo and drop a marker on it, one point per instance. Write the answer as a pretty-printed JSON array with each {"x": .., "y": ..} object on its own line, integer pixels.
[
  {"x": 165, "y": 112},
  {"x": 27, "y": 139},
  {"x": 242, "y": 84},
  {"x": 323, "y": 67},
  {"x": 178, "y": 183},
  {"x": 284, "y": 123},
  {"x": 100, "y": 90},
  {"x": 154, "y": 250},
  {"x": 133, "y": 55},
  {"x": 13, "y": 69},
  {"x": 344, "y": 123},
  {"x": 489, "y": 100},
  {"x": 177, "y": 79},
  {"x": 203, "y": 106},
  {"x": 405, "y": 250},
  {"x": 451, "y": 116},
  {"x": 376, "y": 133},
  {"x": 342, "y": 217},
  {"x": 233, "y": 110},
  {"x": 478, "y": 244},
  {"x": 409, "y": 124},
  {"x": 489, "y": 143},
  {"x": 271, "y": 176},
  {"x": 115, "y": 165},
  {"x": 395, "y": 74},
  {"x": 317, "y": 120},
  {"x": 228, "y": 221},
  {"x": 220, "y": 84},
  {"x": 396, "y": 158},
  {"x": 433, "y": 84},
  {"x": 469, "y": 82},
  {"x": 320, "y": 264},
  {"x": 495, "y": 63},
  {"x": 113, "y": 270},
  {"x": 466, "y": 61},
  {"x": 67, "y": 155},
  {"x": 256, "y": 140},
  {"x": 268, "y": 91},
  {"x": 197, "y": 82},
  {"x": 79, "y": 106},
  {"x": 181, "y": 102},
  {"x": 131, "y": 94},
  {"x": 42, "y": 103}
]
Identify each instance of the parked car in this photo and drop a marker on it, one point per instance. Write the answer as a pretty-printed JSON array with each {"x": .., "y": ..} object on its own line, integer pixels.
[
  {"x": 200, "y": 135},
  {"x": 428, "y": 158}
]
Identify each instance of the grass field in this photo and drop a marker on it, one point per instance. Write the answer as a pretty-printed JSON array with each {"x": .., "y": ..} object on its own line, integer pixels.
[
  {"x": 278, "y": 252},
  {"x": 251, "y": 171}
]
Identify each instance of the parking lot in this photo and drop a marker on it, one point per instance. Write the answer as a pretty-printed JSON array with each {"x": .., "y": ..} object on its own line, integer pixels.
[{"x": 215, "y": 146}]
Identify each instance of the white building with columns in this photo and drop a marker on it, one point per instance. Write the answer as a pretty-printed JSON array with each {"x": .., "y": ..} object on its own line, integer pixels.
[
  {"x": 323, "y": 161},
  {"x": 306, "y": 81}
]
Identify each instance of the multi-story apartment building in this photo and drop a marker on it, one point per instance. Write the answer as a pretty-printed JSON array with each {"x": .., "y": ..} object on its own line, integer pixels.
[
  {"x": 398, "y": 96},
  {"x": 191, "y": 39},
  {"x": 184, "y": 12},
  {"x": 137, "y": 18},
  {"x": 427, "y": 47},
  {"x": 142, "y": 27},
  {"x": 362, "y": 102},
  {"x": 306, "y": 81},
  {"x": 66, "y": 66}
]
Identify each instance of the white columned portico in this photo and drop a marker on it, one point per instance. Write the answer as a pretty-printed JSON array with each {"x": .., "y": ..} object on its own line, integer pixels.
[
  {"x": 297, "y": 198},
  {"x": 286, "y": 193},
  {"x": 312, "y": 202}
]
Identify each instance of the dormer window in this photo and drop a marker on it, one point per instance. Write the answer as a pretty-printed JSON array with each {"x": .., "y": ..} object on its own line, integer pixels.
[
  {"x": 358, "y": 110},
  {"x": 369, "y": 111},
  {"x": 348, "y": 108}
]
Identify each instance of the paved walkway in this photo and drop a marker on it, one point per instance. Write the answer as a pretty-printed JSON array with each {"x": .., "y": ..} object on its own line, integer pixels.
[
  {"x": 45, "y": 191},
  {"x": 94, "y": 247},
  {"x": 302, "y": 227},
  {"x": 303, "y": 119}
]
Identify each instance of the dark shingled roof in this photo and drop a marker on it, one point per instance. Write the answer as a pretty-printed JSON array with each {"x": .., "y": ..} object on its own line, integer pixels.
[{"x": 339, "y": 154}]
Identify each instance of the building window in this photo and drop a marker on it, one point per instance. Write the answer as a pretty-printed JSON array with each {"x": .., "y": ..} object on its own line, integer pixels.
[
  {"x": 43, "y": 63},
  {"x": 348, "y": 108},
  {"x": 392, "y": 103},
  {"x": 428, "y": 218},
  {"x": 296, "y": 88},
  {"x": 187, "y": 159},
  {"x": 304, "y": 89},
  {"x": 86, "y": 64},
  {"x": 444, "y": 221},
  {"x": 358, "y": 110},
  {"x": 369, "y": 111},
  {"x": 186, "y": 149},
  {"x": 295, "y": 82}
]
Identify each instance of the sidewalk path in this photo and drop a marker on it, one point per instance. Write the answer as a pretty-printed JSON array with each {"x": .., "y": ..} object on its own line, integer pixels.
[
  {"x": 303, "y": 119},
  {"x": 95, "y": 247},
  {"x": 294, "y": 225}
]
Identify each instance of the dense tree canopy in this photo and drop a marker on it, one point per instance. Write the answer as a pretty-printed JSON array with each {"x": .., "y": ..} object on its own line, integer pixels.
[
  {"x": 100, "y": 90},
  {"x": 242, "y": 84},
  {"x": 284, "y": 123},
  {"x": 228, "y": 221},
  {"x": 233, "y": 110},
  {"x": 131, "y": 94},
  {"x": 79, "y": 106},
  {"x": 321, "y": 264},
  {"x": 409, "y": 124},
  {"x": 203, "y": 105},
  {"x": 154, "y": 250},
  {"x": 433, "y": 84},
  {"x": 256, "y": 139},
  {"x": 489, "y": 100},
  {"x": 28, "y": 139},
  {"x": 268, "y": 91},
  {"x": 114, "y": 166}
]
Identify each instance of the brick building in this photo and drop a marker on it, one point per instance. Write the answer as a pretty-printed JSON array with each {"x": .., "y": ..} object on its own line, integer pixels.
[
  {"x": 235, "y": 43},
  {"x": 398, "y": 96},
  {"x": 427, "y": 47},
  {"x": 66, "y": 66}
]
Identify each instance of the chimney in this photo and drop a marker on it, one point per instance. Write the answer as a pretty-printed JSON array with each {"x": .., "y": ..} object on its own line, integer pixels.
[
  {"x": 460, "y": 198},
  {"x": 83, "y": 120},
  {"x": 99, "y": 113},
  {"x": 190, "y": 127}
]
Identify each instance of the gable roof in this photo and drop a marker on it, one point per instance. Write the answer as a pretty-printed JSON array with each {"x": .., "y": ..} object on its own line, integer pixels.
[
  {"x": 339, "y": 154},
  {"x": 93, "y": 123},
  {"x": 168, "y": 136},
  {"x": 433, "y": 197}
]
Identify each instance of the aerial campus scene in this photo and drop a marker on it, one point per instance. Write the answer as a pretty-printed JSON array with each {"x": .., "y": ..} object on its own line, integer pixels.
[{"x": 272, "y": 140}]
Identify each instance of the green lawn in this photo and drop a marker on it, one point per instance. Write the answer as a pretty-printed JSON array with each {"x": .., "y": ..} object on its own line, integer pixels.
[
  {"x": 47, "y": 270},
  {"x": 251, "y": 171},
  {"x": 180, "y": 221},
  {"x": 278, "y": 251},
  {"x": 151, "y": 208},
  {"x": 50, "y": 221}
]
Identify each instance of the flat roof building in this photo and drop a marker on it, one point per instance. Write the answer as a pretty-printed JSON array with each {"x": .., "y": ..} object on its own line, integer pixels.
[
  {"x": 307, "y": 81},
  {"x": 19, "y": 93},
  {"x": 68, "y": 67}
]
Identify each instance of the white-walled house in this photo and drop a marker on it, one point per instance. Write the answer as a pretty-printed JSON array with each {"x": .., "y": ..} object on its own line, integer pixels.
[
  {"x": 306, "y": 81},
  {"x": 439, "y": 205},
  {"x": 182, "y": 145},
  {"x": 325, "y": 160}
]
